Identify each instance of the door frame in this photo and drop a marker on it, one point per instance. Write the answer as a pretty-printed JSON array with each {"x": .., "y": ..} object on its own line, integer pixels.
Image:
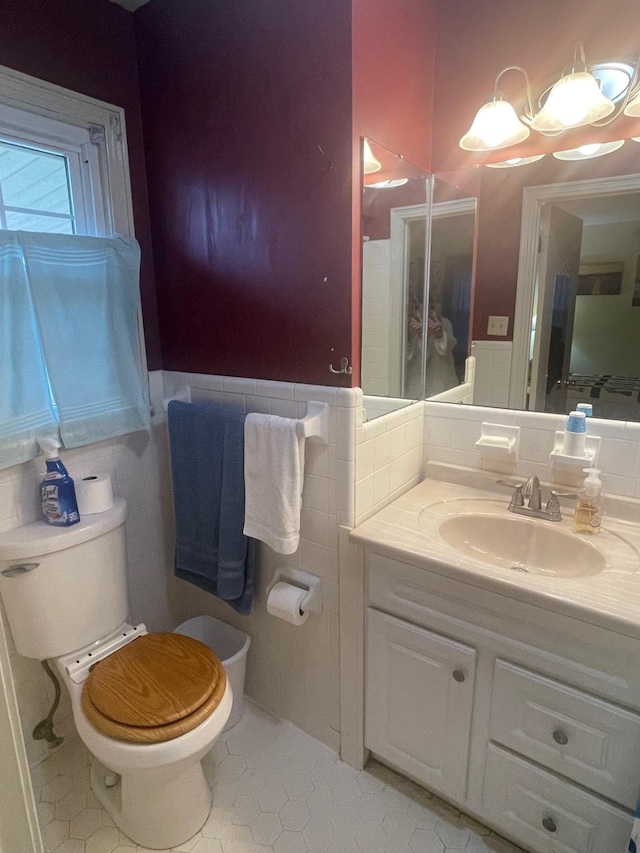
[
  {"x": 533, "y": 198},
  {"x": 399, "y": 220}
]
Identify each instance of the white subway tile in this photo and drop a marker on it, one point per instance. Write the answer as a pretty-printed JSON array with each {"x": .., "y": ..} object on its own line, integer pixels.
[
  {"x": 365, "y": 464},
  {"x": 381, "y": 485},
  {"x": 284, "y": 408},
  {"x": 619, "y": 457},
  {"x": 438, "y": 431},
  {"x": 435, "y": 453}
]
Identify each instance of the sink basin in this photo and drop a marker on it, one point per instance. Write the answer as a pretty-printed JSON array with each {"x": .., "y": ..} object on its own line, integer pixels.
[{"x": 521, "y": 545}]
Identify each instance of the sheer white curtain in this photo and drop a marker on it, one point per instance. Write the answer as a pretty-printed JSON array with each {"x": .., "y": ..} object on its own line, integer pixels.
[{"x": 72, "y": 360}]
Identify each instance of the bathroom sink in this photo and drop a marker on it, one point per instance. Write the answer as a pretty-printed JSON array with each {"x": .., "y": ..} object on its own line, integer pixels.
[{"x": 521, "y": 545}]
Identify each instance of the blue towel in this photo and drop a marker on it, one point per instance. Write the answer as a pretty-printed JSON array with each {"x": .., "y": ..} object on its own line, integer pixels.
[{"x": 207, "y": 462}]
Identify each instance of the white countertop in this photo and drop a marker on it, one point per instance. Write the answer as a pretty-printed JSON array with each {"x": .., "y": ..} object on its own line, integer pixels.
[{"x": 407, "y": 530}]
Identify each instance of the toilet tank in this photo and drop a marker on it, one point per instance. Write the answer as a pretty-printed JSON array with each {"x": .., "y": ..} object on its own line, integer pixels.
[{"x": 64, "y": 587}]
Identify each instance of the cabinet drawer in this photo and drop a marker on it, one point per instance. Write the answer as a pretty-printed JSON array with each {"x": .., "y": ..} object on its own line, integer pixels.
[
  {"x": 418, "y": 700},
  {"x": 546, "y": 813},
  {"x": 577, "y": 735}
]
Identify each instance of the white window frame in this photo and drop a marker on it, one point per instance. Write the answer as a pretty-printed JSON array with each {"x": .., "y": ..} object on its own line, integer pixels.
[{"x": 78, "y": 146}]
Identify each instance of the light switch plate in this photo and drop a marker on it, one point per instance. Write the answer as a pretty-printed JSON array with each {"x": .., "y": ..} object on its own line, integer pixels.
[{"x": 498, "y": 326}]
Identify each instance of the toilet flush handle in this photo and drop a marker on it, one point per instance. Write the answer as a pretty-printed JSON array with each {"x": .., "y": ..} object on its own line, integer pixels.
[{"x": 19, "y": 569}]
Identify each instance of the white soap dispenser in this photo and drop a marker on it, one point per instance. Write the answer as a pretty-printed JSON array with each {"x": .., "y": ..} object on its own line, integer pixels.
[{"x": 589, "y": 504}]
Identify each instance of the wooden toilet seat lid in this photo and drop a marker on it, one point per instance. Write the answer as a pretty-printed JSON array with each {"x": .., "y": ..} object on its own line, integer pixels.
[{"x": 155, "y": 688}]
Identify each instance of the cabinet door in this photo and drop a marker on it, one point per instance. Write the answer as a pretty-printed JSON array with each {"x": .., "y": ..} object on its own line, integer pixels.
[{"x": 419, "y": 694}]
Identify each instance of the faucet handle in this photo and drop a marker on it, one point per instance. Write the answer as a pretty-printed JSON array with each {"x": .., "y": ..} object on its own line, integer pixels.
[
  {"x": 517, "y": 498},
  {"x": 553, "y": 504}
]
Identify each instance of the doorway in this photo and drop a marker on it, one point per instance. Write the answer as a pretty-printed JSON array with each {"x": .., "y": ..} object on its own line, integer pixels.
[{"x": 577, "y": 326}]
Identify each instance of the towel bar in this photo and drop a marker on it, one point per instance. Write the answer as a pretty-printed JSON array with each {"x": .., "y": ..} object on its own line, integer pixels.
[
  {"x": 183, "y": 393},
  {"x": 315, "y": 424}
]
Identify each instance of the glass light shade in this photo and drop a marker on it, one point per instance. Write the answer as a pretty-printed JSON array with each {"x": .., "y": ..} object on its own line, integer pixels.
[
  {"x": 633, "y": 107},
  {"x": 390, "y": 184},
  {"x": 575, "y": 100},
  {"x": 496, "y": 125},
  {"x": 587, "y": 152},
  {"x": 370, "y": 163},
  {"x": 515, "y": 161}
]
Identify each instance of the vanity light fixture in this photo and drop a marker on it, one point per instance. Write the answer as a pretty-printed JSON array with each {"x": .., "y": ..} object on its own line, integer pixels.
[
  {"x": 370, "y": 163},
  {"x": 574, "y": 100},
  {"x": 496, "y": 124},
  {"x": 588, "y": 152},
  {"x": 515, "y": 161}
]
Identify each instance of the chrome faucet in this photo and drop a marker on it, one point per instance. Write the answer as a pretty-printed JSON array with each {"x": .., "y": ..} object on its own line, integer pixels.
[{"x": 533, "y": 491}]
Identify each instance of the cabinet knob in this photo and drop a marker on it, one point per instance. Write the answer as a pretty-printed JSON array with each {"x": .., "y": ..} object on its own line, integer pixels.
[
  {"x": 549, "y": 824},
  {"x": 458, "y": 675},
  {"x": 560, "y": 737}
]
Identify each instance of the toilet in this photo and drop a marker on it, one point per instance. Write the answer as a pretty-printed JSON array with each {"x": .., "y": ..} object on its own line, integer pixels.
[{"x": 148, "y": 706}]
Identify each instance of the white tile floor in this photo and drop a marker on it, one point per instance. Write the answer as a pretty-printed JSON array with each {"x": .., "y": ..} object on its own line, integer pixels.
[{"x": 275, "y": 790}]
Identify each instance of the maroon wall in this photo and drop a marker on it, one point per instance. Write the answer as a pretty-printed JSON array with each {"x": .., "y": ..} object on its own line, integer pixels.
[
  {"x": 247, "y": 117},
  {"x": 89, "y": 46},
  {"x": 393, "y": 78},
  {"x": 393, "y": 72},
  {"x": 475, "y": 41}
]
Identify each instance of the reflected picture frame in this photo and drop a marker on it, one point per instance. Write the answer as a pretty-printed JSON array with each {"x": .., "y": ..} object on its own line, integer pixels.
[{"x": 601, "y": 279}]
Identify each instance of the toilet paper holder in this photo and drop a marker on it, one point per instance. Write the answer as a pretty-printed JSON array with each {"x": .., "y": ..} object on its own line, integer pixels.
[{"x": 312, "y": 602}]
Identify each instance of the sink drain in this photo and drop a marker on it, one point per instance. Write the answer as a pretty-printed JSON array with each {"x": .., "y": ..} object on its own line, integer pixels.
[{"x": 519, "y": 569}]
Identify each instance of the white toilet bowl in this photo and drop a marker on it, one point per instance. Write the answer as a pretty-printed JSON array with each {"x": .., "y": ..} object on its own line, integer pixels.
[
  {"x": 65, "y": 595},
  {"x": 161, "y": 797}
]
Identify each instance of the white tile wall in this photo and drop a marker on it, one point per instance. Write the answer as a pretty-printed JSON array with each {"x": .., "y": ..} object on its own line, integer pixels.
[
  {"x": 291, "y": 671},
  {"x": 388, "y": 458},
  {"x": 493, "y": 372},
  {"x": 450, "y": 433},
  {"x": 138, "y": 464}
]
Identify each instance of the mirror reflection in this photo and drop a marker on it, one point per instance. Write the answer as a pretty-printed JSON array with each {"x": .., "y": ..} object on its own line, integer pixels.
[
  {"x": 394, "y": 207},
  {"x": 556, "y": 318},
  {"x": 415, "y": 341},
  {"x": 534, "y": 270}
]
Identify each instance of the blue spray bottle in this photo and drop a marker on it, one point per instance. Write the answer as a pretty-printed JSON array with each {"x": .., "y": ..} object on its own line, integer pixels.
[{"x": 59, "y": 504}]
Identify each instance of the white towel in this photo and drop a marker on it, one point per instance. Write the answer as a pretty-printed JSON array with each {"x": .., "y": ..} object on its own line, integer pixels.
[{"x": 273, "y": 480}]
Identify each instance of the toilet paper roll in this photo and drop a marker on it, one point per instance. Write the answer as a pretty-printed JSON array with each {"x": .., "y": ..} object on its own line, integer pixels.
[
  {"x": 94, "y": 494},
  {"x": 284, "y": 602}
]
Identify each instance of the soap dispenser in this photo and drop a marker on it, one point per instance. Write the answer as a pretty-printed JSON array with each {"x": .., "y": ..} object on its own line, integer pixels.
[
  {"x": 589, "y": 504},
  {"x": 57, "y": 490}
]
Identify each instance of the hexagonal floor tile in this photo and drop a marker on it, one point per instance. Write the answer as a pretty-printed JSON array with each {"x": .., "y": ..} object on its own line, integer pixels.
[
  {"x": 426, "y": 841},
  {"x": 294, "y": 815},
  {"x": 266, "y": 828},
  {"x": 274, "y": 790}
]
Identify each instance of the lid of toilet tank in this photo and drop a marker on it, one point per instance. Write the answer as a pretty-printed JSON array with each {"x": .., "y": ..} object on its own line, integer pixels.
[{"x": 39, "y": 537}]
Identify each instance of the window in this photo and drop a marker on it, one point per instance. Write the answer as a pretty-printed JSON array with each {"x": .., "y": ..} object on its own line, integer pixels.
[
  {"x": 50, "y": 178},
  {"x": 72, "y": 352}
]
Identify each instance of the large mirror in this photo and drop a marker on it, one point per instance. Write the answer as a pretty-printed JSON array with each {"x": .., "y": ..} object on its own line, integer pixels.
[
  {"x": 556, "y": 318},
  {"x": 532, "y": 269},
  {"x": 415, "y": 340}
]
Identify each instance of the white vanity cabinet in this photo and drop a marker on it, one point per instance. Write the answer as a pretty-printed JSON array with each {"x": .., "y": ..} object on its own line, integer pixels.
[
  {"x": 419, "y": 697},
  {"x": 527, "y": 719}
]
